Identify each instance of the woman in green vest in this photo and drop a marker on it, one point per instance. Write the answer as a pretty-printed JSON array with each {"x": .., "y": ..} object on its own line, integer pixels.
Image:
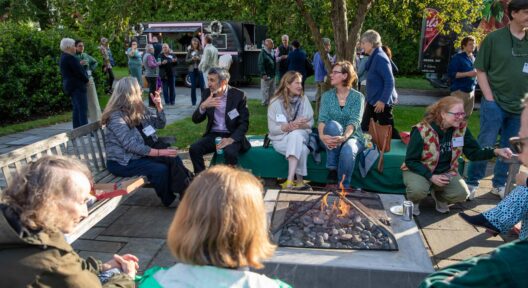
[{"x": 431, "y": 162}]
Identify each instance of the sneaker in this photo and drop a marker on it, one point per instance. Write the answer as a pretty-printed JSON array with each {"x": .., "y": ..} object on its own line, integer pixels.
[
  {"x": 301, "y": 186},
  {"x": 440, "y": 206},
  {"x": 499, "y": 191},
  {"x": 416, "y": 209},
  {"x": 472, "y": 190}
]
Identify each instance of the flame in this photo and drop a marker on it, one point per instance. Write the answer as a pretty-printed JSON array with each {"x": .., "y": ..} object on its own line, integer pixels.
[
  {"x": 324, "y": 202},
  {"x": 343, "y": 207},
  {"x": 340, "y": 205}
]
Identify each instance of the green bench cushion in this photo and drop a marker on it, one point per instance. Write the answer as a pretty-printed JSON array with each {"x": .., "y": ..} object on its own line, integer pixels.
[{"x": 267, "y": 163}]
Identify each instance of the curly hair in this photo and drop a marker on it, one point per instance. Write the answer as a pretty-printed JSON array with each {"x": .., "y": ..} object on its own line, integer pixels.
[
  {"x": 433, "y": 113},
  {"x": 221, "y": 221},
  {"x": 42, "y": 191}
]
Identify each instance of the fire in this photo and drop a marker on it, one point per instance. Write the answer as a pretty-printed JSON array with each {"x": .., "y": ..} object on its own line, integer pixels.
[{"x": 340, "y": 205}]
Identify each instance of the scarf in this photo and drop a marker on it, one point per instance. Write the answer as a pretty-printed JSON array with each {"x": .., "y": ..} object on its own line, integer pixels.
[{"x": 295, "y": 108}]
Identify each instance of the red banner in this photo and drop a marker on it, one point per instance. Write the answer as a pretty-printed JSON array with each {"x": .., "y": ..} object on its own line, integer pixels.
[{"x": 431, "y": 27}]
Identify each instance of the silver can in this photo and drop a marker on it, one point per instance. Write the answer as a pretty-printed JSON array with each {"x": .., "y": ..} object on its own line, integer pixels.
[
  {"x": 217, "y": 141},
  {"x": 407, "y": 210}
]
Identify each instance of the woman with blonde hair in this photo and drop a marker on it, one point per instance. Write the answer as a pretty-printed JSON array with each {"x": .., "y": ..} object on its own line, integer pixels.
[
  {"x": 132, "y": 147},
  {"x": 42, "y": 203},
  {"x": 290, "y": 119},
  {"x": 431, "y": 162},
  {"x": 218, "y": 233},
  {"x": 339, "y": 123}
]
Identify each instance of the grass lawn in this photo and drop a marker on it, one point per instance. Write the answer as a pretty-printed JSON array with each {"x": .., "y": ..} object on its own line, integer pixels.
[
  {"x": 403, "y": 82},
  {"x": 120, "y": 72},
  {"x": 48, "y": 121},
  {"x": 419, "y": 83},
  {"x": 187, "y": 132}
]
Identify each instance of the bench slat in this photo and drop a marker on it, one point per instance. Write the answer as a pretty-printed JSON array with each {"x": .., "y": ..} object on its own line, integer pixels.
[{"x": 37, "y": 147}]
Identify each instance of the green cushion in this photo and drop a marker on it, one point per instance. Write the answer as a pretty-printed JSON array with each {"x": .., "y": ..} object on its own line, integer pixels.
[{"x": 267, "y": 163}]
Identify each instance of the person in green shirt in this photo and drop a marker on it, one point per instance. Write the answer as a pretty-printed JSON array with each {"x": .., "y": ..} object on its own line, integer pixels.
[
  {"x": 502, "y": 74},
  {"x": 89, "y": 64},
  {"x": 504, "y": 267},
  {"x": 431, "y": 162}
]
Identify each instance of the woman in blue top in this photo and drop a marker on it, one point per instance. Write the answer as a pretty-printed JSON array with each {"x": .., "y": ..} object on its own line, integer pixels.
[
  {"x": 381, "y": 92},
  {"x": 339, "y": 123},
  {"x": 134, "y": 61}
]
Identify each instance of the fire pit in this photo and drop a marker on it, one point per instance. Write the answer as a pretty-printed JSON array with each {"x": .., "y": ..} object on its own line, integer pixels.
[{"x": 330, "y": 220}]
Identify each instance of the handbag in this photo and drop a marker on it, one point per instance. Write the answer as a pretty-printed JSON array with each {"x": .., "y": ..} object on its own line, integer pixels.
[{"x": 381, "y": 136}]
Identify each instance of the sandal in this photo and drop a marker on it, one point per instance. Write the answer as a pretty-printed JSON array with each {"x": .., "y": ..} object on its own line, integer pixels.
[{"x": 301, "y": 186}]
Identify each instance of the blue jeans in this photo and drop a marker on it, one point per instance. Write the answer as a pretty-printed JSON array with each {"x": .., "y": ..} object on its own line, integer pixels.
[
  {"x": 79, "y": 99},
  {"x": 493, "y": 119},
  {"x": 342, "y": 158},
  {"x": 157, "y": 174},
  {"x": 196, "y": 81},
  {"x": 169, "y": 93}
]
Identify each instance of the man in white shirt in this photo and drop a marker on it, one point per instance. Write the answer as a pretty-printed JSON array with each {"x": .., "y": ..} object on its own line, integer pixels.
[{"x": 209, "y": 58}]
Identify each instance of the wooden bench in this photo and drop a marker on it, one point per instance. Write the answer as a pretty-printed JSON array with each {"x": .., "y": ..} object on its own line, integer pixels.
[{"x": 85, "y": 143}]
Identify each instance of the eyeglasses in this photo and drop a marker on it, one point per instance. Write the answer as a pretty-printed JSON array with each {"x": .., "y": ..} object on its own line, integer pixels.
[
  {"x": 337, "y": 72},
  {"x": 517, "y": 144},
  {"x": 457, "y": 114}
]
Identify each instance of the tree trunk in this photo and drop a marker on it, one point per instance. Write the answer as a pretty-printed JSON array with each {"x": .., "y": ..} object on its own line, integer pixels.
[
  {"x": 338, "y": 16},
  {"x": 355, "y": 29}
]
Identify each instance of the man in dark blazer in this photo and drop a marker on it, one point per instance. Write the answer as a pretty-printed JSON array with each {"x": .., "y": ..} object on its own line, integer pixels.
[
  {"x": 74, "y": 80},
  {"x": 227, "y": 114}
]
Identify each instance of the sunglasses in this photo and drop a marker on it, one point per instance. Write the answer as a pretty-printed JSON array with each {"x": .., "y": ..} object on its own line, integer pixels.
[{"x": 517, "y": 144}]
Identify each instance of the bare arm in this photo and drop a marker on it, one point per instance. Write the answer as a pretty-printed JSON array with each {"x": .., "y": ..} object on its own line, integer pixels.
[
  {"x": 484, "y": 85},
  {"x": 472, "y": 73}
]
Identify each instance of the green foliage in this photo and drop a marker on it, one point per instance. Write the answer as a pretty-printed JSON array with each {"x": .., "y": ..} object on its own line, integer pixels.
[{"x": 31, "y": 83}]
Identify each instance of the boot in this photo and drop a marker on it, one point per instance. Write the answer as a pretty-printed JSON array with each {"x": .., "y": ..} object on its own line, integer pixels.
[{"x": 480, "y": 221}]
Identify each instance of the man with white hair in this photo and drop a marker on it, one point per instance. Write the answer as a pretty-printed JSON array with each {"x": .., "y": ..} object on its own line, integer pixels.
[
  {"x": 266, "y": 65},
  {"x": 282, "y": 55},
  {"x": 74, "y": 80},
  {"x": 209, "y": 58}
]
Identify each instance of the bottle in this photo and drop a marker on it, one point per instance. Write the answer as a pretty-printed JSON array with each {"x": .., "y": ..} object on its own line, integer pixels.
[{"x": 217, "y": 141}]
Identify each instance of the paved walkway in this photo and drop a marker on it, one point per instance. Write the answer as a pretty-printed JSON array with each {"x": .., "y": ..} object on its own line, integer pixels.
[{"x": 139, "y": 225}]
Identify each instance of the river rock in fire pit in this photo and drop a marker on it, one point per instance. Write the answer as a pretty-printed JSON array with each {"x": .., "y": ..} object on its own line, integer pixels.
[
  {"x": 317, "y": 220},
  {"x": 346, "y": 237}
]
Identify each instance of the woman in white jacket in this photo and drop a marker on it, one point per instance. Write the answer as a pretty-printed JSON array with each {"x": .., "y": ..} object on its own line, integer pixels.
[{"x": 290, "y": 119}]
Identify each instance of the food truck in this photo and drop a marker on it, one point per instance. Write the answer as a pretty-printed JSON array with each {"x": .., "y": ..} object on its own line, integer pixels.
[{"x": 241, "y": 40}]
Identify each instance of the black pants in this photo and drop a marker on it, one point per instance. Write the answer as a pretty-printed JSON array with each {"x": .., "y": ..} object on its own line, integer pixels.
[
  {"x": 207, "y": 145},
  {"x": 383, "y": 118},
  {"x": 152, "y": 82},
  {"x": 109, "y": 80}
]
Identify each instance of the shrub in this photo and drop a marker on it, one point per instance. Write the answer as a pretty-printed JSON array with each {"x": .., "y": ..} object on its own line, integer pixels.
[{"x": 31, "y": 84}]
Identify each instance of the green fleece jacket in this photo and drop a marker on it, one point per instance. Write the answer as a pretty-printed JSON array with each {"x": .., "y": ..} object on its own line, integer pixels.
[{"x": 413, "y": 158}]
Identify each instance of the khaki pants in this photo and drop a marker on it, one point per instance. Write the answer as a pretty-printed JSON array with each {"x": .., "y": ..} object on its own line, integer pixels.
[
  {"x": 417, "y": 188},
  {"x": 267, "y": 88},
  {"x": 468, "y": 98}
]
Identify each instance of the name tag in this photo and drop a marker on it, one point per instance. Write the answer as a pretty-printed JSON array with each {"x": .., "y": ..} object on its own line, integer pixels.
[
  {"x": 458, "y": 141},
  {"x": 149, "y": 130},
  {"x": 280, "y": 118},
  {"x": 233, "y": 114},
  {"x": 525, "y": 68}
]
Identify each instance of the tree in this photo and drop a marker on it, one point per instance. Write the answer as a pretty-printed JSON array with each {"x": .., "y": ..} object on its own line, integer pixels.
[{"x": 394, "y": 19}]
